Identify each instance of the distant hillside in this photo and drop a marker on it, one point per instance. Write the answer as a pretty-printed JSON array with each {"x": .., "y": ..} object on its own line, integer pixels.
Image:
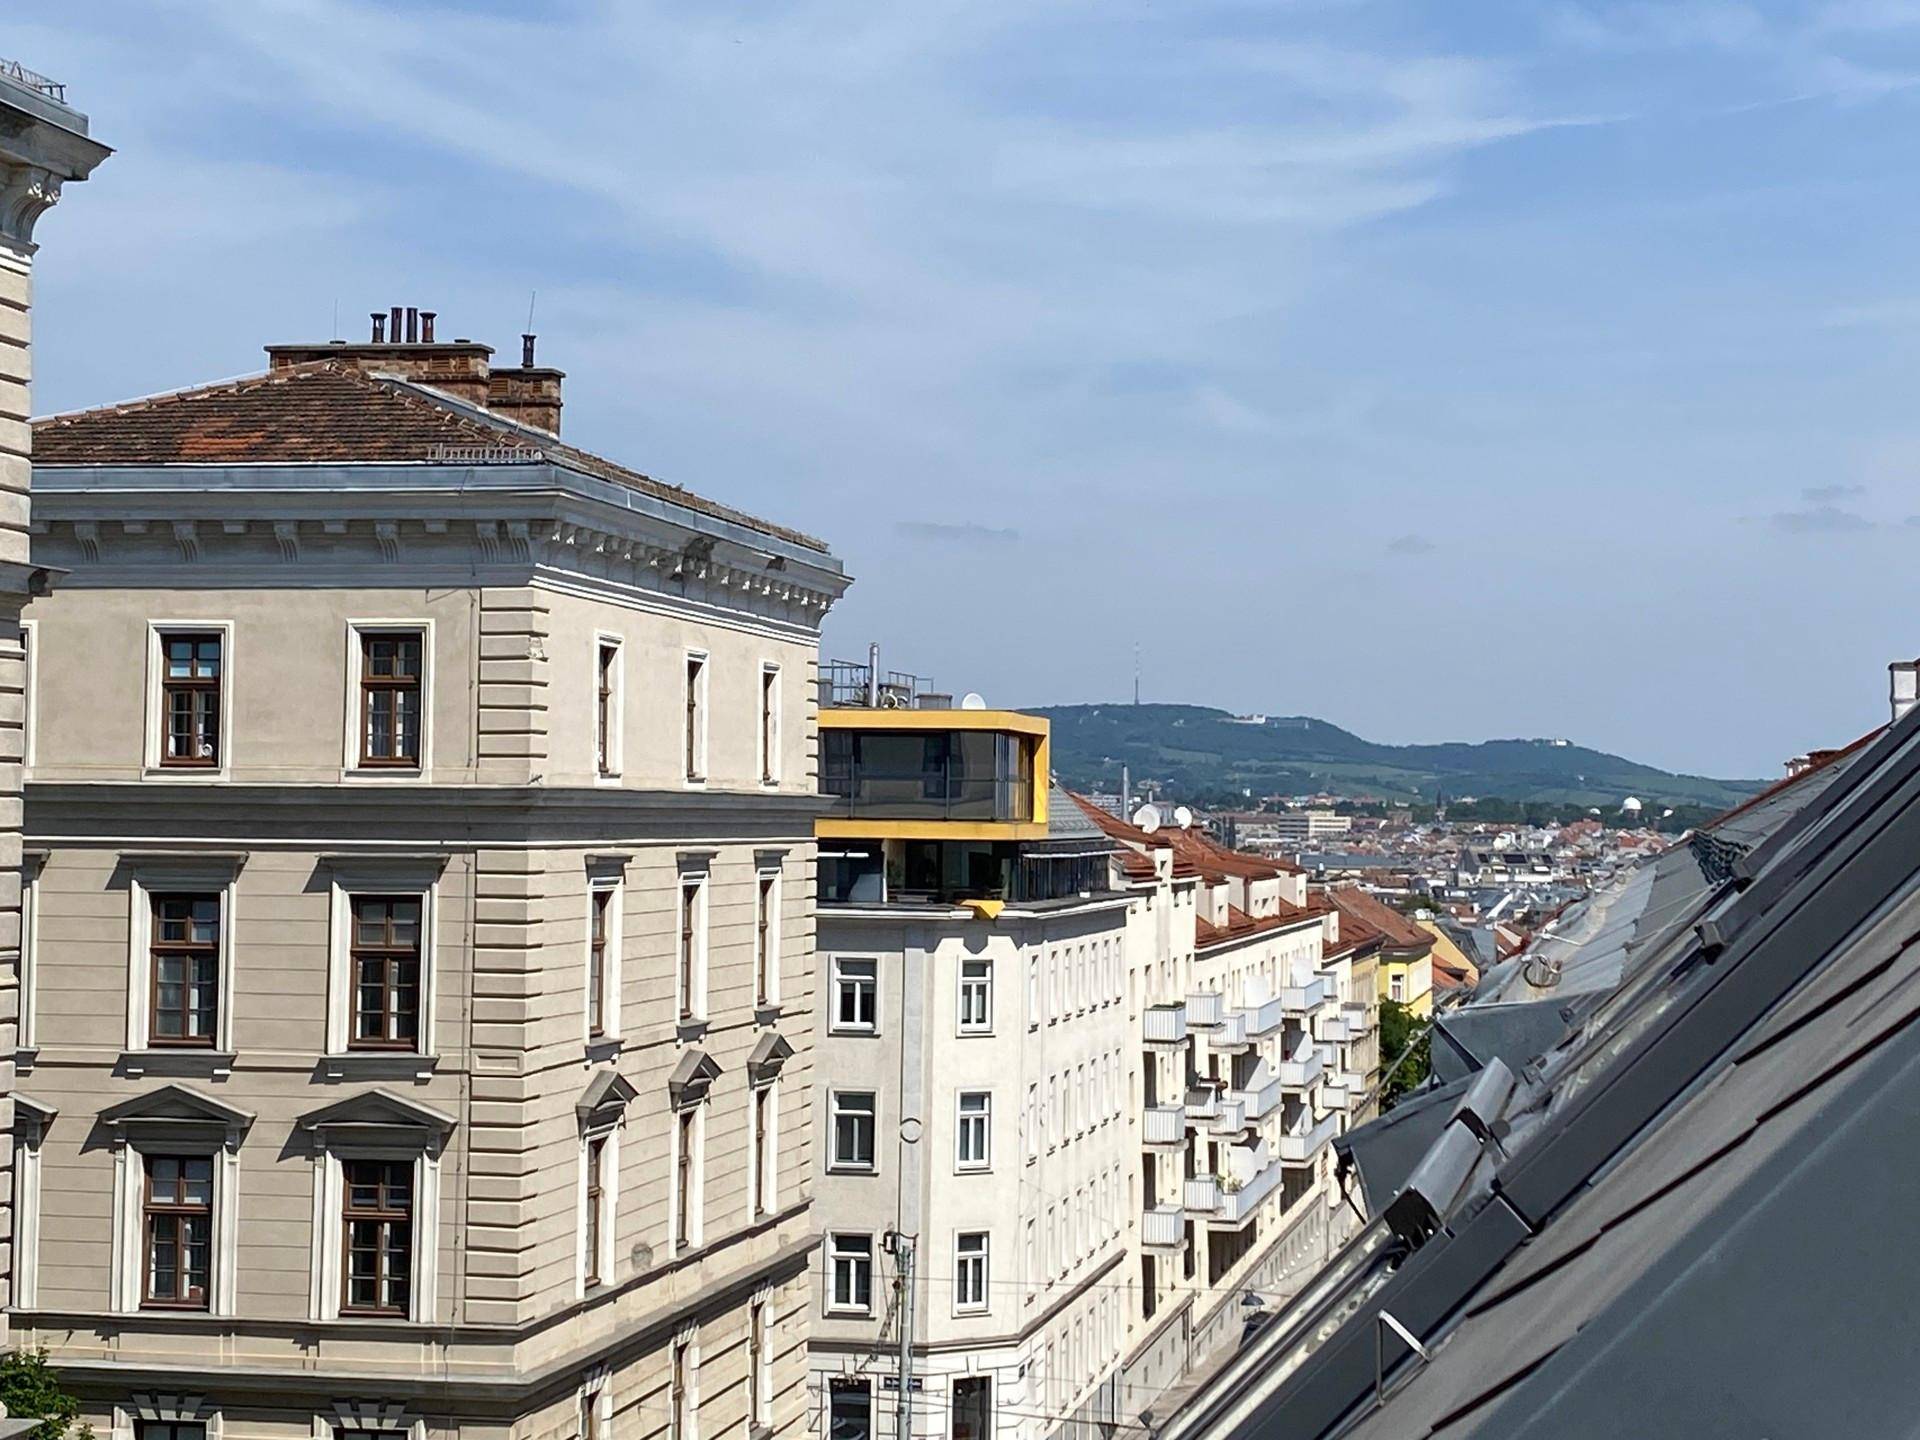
[{"x": 1200, "y": 751}]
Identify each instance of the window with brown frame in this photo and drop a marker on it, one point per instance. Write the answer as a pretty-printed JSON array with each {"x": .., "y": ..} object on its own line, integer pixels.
[
  {"x": 683, "y": 1181},
  {"x": 605, "y": 693},
  {"x": 596, "y": 1161},
  {"x": 390, "y": 697},
  {"x": 757, "y": 1411},
  {"x": 696, "y": 674},
  {"x": 677, "y": 1396},
  {"x": 190, "y": 678},
  {"x": 762, "y": 1149},
  {"x": 184, "y": 961},
  {"x": 385, "y": 959},
  {"x": 769, "y": 725},
  {"x": 597, "y": 964},
  {"x": 177, "y": 1219},
  {"x": 688, "y": 964},
  {"x": 763, "y": 931},
  {"x": 169, "y": 1430},
  {"x": 377, "y": 1235}
]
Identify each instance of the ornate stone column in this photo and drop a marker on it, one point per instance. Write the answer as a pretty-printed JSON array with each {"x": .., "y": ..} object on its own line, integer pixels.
[{"x": 43, "y": 144}]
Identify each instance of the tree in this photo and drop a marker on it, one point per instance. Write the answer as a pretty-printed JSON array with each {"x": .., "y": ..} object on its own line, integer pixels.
[
  {"x": 1398, "y": 1028},
  {"x": 30, "y": 1391}
]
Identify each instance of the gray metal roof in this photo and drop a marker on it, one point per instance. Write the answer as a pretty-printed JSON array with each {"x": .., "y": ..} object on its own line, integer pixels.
[{"x": 1687, "y": 1216}]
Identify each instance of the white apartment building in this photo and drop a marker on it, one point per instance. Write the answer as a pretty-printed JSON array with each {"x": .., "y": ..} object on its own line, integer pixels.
[
  {"x": 970, "y": 1085},
  {"x": 1233, "y": 1190}
]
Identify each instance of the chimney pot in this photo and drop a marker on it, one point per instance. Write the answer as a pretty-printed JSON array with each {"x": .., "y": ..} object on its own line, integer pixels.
[
  {"x": 526, "y": 351},
  {"x": 1903, "y": 686},
  {"x": 393, "y": 325},
  {"x": 379, "y": 327},
  {"x": 413, "y": 326},
  {"x": 426, "y": 326}
]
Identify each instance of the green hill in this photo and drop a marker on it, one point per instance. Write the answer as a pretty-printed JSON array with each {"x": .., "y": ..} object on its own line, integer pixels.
[{"x": 1204, "y": 752}]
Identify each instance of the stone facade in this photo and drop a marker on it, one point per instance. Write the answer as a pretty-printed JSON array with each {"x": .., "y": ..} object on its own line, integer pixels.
[{"x": 545, "y": 1173}]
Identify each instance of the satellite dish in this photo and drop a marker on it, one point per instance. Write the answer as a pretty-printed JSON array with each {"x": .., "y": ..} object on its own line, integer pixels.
[
  {"x": 1182, "y": 816},
  {"x": 973, "y": 700},
  {"x": 1147, "y": 817}
]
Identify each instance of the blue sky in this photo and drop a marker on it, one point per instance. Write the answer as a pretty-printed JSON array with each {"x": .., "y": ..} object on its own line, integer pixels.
[{"x": 1447, "y": 371}]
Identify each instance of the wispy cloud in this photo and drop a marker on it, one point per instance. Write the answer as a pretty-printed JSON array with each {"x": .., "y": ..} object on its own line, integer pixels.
[
  {"x": 1831, "y": 494},
  {"x": 1411, "y": 545},
  {"x": 1820, "y": 520}
]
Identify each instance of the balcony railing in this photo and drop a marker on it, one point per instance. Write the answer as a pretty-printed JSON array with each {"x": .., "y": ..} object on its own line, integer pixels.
[
  {"x": 1164, "y": 1024},
  {"x": 1304, "y": 999},
  {"x": 1360, "y": 1015},
  {"x": 1203, "y": 1009},
  {"x": 1164, "y": 1227},
  {"x": 1264, "y": 1018},
  {"x": 1333, "y": 1095},
  {"x": 1203, "y": 1103},
  {"x": 1230, "y": 1033},
  {"x": 1332, "y": 1027},
  {"x": 1306, "y": 1066},
  {"x": 1164, "y": 1125},
  {"x": 1202, "y": 1194},
  {"x": 1230, "y": 1115},
  {"x": 870, "y": 794},
  {"x": 1236, "y": 1206},
  {"x": 1262, "y": 1100},
  {"x": 1304, "y": 1146}
]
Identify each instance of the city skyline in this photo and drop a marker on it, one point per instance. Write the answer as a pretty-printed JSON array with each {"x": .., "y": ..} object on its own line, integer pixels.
[{"x": 1413, "y": 328}]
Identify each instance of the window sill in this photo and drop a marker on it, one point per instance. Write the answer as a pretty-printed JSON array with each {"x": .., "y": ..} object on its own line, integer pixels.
[
  {"x": 767, "y": 1014},
  {"x": 205, "y": 775},
  {"x": 833, "y": 1169},
  {"x": 604, "y": 1047},
  {"x": 25, "y": 1058},
  {"x": 690, "y": 1029},
  {"x": 854, "y": 1032},
  {"x": 376, "y": 1065},
  {"x": 759, "y": 1432},
  {"x": 188, "y": 1060}
]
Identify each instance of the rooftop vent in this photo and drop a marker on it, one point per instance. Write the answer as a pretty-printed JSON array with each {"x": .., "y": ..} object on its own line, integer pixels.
[{"x": 1903, "y": 686}]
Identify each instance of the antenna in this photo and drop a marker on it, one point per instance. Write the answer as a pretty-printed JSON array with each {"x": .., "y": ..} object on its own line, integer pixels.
[
  {"x": 532, "y": 295},
  {"x": 1182, "y": 816},
  {"x": 335, "y": 335},
  {"x": 1147, "y": 818},
  {"x": 974, "y": 700},
  {"x": 1136, "y": 672}
]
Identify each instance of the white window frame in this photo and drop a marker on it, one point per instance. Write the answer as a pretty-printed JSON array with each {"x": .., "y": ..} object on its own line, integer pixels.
[
  {"x": 835, "y": 1025},
  {"x": 30, "y": 691},
  {"x": 767, "y": 726},
  {"x": 350, "y": 766},
  {"x": 835, "y": 1165},
  {"x": 1033, "y": 991},
  {"x": 609, "y": 1138},
  {"x": 1033, "y": 1122},
  {"x": 129, "y": 1256},
  {"x": 833, "y": 1305},
  {"x": 169, "y": 878},
  {"x": 27, "y": 1037},
  {"x": 152, "y": 769},
  {"x": 616, "y": 707},
  {"x": 696, "y": 1226},
  {"x": 980, "y": 1120},
  {"x": 329, "y": 1200},
  {"x": 962, "y": 1024},
  {"x": 702, "y": 711},
  {"x": 615, "y": 886},
  {"x": 597, "y": 1390},
  {"x": 697, "y": 879},
  {"x": 759, "y": 1360},
  {"x": 967, "y": 1300},
  {"x": 26, "y": 1214},
  {"x": 687, "y": 1341},
  {"x": 764, "y": 872},
  {"x": 765, "y": 1167},
  {"x": 340, "y": 965}
]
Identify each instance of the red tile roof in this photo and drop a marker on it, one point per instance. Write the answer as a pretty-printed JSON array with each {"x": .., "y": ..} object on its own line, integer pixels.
[
  {"x": 327, "y": 413},
  {"x": 1818, "y": 760},
  {"x": 1395, "y": 929}
]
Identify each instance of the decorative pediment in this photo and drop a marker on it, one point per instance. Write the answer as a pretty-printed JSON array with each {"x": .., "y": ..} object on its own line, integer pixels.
[
  {"x": 691, "y": 1079},
  {"x": 30, "y": 1116},
  {"x": 173, "y": 1106},
  {"x": 769, "y": 1054},
  {"x": 378, "y": 1114},
  {"x": 605, "y": 1099}
]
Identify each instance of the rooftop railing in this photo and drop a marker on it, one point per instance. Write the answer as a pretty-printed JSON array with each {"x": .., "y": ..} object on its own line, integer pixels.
[{"x": 33, "y": 80}]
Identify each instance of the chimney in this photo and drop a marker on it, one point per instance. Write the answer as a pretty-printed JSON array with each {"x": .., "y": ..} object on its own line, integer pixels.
[
  {"x": 1903, "y": 686},
  {"x": 529, "y": 394},
  {"x": 402, "y": 344}
]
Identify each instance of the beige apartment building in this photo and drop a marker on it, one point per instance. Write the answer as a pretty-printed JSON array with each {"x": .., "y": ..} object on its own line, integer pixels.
[
  {"x": 417, "y": 1025},
  {"x": 44, "y": 143}
]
